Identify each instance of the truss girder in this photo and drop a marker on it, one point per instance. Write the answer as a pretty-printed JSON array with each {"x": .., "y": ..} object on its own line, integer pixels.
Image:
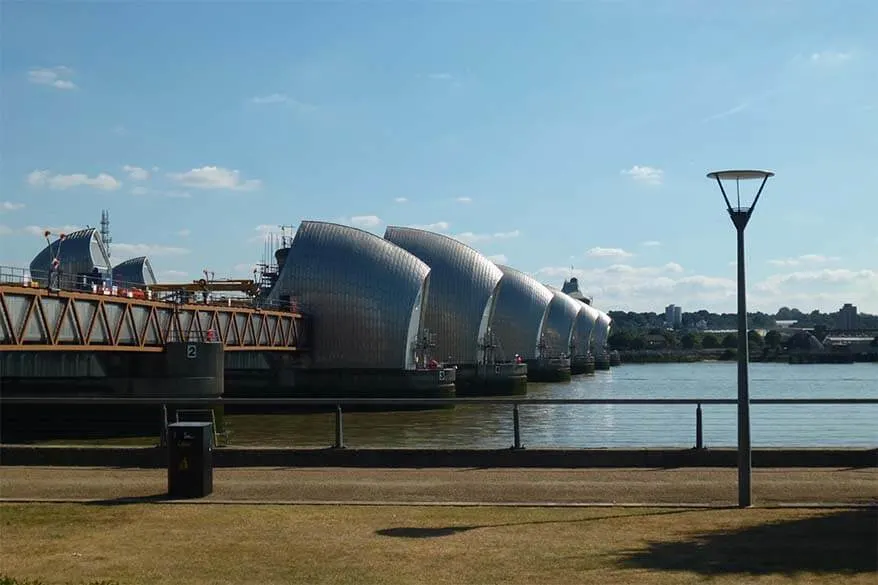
[{"x": 37, "y": 320}]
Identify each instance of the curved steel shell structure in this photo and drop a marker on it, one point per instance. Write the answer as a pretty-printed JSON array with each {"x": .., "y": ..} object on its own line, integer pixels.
[
  {"x": 463, "y": 285},
  {"x": 519, "y": 312},
  {"x": 79, "y": 253},
  {"x": 601, "y": 331},
  {"x": 364, "y": 295},
  {"x": 560, "y": 326},
  {"x": 586, "y": 320},
  {"x": 134, "y": 271}
]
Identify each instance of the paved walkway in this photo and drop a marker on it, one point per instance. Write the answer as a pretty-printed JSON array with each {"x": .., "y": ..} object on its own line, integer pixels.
[{"x": 701, "y": 486}]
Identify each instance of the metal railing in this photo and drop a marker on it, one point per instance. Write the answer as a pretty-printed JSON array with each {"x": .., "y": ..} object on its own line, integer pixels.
[
  {"x": 86, "y": 283},
  {"x": 515, "y": 403}
]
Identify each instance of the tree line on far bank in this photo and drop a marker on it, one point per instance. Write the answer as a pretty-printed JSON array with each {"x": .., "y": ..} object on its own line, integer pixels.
[
  {"x": 664, "y": 339},
  {"x": 628, "y": 320}
]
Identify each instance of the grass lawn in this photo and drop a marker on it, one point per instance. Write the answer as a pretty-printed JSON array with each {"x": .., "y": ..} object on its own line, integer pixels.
[{"x": 199, "y": 543}]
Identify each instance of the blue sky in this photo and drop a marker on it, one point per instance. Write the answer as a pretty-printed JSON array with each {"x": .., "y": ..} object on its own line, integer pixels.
[{"x": 547, "y": 135}]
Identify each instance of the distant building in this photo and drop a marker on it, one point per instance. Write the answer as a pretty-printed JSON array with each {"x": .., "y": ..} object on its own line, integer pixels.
[
  {"x": 847, "y": 317},
  {"x": 852, "y": 344},
  {"x": 674, "y": 316},
  {"x": 571, "y": 287}
]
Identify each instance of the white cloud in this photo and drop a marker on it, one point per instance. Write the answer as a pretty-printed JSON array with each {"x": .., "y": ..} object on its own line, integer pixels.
[
  {"x": 366, "y": 221},
  {"x": 45, "y": 178},
  {"x": 650, "y": 288},
  {"x": 825, "y": 276},
  {"x": 652, "y": 243},
  {"x": 804, "y": 259},
  {"x": 263, "y": 231},
  {"x": 464, "y": 200},
  {"x": 148, "y": 250},
  {"x": 831, "y": 57},
  {"x": 172, "y": 274},
  {"x": 274, "y": 98},
  {"x": 498, "y": 258},
  {"x": 644, "y": 174},
  {"x": 119, "y": 130},
  {"x": 645, "y": 288},
  {"x": 729, "y": 112},
  {"x": 439, "y": 226},
  {"x": 282, "y": 99},
  {"x": 184, "y": 233},
  {"x": 471, "y": 238},
  {"x": 174, "y": 194},
  {"x": 38, "y": 230},
  {"x": 265, "y": 228},
  {"x": 5, "y": 230},
  {"x": 11, "y": 206},
  {"x": 244, "y": 270},
  {"x": 598, "y": 252},
  {"x": 57, "y": 77},
  {"x": 400, "y": 200},
  {"x": 212, "y": 177},
  {"x": 136, "y": 173},
  {"x": 441, "y": 76},
  {"x": 824, "y": 289}
]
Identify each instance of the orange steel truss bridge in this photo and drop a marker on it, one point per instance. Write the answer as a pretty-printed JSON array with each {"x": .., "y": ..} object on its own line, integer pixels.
[{"x": 35, "y": 319}]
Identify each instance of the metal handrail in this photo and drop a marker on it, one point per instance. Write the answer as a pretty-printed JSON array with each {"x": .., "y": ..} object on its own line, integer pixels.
[
  {"x": 516, "y": 403},
  {"x": 146, "y": 400},
  {"x": 27, "y": 278}
]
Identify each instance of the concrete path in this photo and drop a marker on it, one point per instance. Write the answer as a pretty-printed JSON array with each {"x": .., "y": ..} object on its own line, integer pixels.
[{"x": 700, "y": 486}]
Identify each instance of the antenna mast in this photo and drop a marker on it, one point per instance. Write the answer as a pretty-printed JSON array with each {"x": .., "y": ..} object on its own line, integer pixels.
[{"x": 105, "y": 230}]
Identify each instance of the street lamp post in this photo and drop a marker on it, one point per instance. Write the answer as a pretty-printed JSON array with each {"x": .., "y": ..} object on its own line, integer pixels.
[{"x": 740, "y": 215}]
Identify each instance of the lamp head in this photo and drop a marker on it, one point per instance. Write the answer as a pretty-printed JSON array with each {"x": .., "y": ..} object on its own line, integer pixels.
[{"x": 742, "y": 209}]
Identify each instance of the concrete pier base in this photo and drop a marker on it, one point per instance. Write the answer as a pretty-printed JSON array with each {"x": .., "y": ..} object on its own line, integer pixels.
[
  {"x": 582, "y": 364},
  {"x": 338, "y": 383},
  {"x": 507, "y": 379},
  {"x": 602, "y": 360},
  {"x": 549, "y": 370},
  {"x": 183, "y": 370}
]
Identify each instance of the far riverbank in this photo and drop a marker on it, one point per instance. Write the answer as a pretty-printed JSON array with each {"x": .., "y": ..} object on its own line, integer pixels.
[{"x": 674, "y": 356}]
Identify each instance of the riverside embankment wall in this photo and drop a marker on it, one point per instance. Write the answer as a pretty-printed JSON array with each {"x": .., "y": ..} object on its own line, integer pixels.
[{"x": 153, "y": 457}]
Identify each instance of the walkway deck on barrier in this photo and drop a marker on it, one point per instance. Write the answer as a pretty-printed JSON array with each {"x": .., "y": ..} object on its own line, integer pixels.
[{"x": 35, "y": 319}]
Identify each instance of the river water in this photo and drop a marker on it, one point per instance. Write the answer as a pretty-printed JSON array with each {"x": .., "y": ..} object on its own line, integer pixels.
[{"x": 578, "y": 426}]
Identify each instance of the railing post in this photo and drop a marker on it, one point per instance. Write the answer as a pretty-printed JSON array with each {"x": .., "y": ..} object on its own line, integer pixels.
[
  {"x": 516, "y": 428},
  {"x": 699, "y": 428},
  {"x": 163, "y": 433},
  {"x": 339, "y": 428}
]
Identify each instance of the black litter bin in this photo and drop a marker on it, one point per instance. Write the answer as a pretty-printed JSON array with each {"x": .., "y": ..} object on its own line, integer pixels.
[{"x": 190, "y": 459}]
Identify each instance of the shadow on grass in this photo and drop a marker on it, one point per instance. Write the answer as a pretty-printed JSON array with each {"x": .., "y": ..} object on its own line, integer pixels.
[
  {"x": 843, "y": 542},
  {"x": 433, "y": 532},
  {"x": 129, "y": 500},
  {"x": 416, "y": 532}
]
